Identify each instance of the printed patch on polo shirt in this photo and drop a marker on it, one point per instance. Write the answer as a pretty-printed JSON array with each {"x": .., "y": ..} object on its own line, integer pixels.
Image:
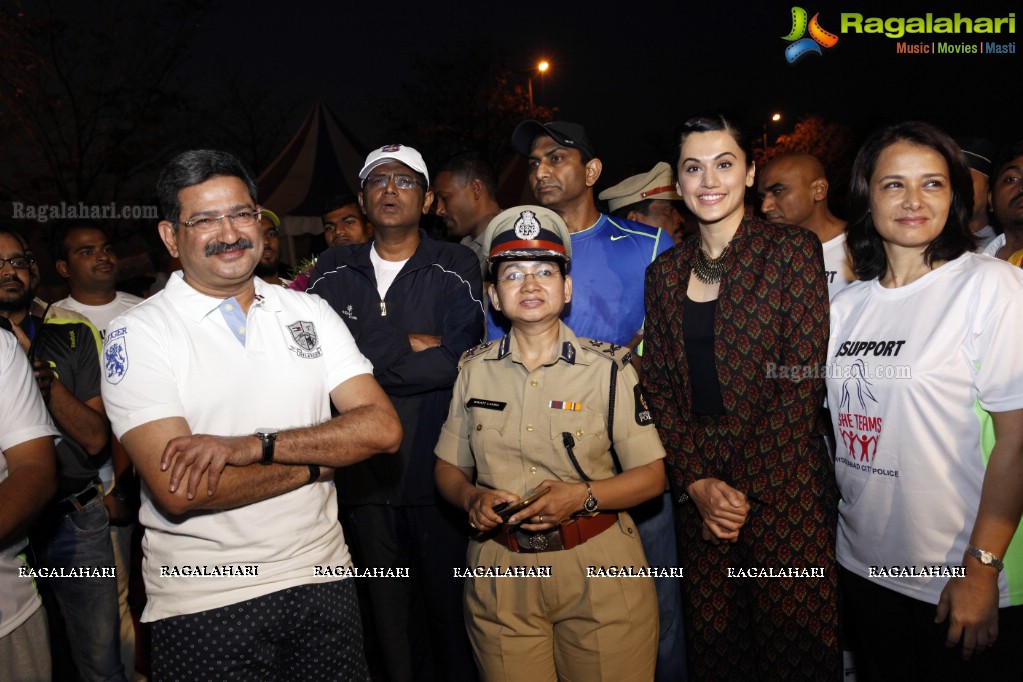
[
  {"x": 485, "y": 404},
  {"x": 115, "y": 356},
  {"x": 565, "y": 405},
  {"x": 304, "y": 334}
]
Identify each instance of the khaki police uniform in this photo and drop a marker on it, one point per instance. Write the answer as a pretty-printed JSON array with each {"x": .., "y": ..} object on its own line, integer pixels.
[{"x": 508, "y": 424}]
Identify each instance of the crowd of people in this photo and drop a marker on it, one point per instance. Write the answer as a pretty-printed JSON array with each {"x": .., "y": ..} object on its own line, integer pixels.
[{"x": 700, "y": 436}]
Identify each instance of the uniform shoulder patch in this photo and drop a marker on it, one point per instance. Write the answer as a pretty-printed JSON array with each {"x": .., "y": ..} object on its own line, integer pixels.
[
  {"x": 643, "y": 416},
  {"x": 475, "y": 352},
  {"x": 611, "y": 351}
]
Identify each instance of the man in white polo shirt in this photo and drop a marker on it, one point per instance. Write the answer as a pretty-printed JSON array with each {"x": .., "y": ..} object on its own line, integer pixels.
[{"x": 238, "y": 499}]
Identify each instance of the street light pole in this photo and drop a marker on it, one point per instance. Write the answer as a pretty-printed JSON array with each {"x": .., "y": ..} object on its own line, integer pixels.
[
  {"x": 774, "y": 119},
  {"x": 542, "y": 68}
]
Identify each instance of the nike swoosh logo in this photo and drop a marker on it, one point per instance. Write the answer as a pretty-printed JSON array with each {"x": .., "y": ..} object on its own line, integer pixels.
[{"x": 621, "y": 236}]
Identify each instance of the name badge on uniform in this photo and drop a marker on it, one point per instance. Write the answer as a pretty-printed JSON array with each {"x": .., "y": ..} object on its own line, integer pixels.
[
  {"x": 485, "y": 404},
  {"x": 563, "y": 405}
]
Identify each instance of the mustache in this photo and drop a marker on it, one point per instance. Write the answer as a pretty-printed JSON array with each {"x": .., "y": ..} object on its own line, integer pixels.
[{"x": 217, "y": 248}]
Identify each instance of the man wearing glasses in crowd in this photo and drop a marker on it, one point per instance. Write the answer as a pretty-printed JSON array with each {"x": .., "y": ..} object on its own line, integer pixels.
[
  {"x": 414, "y": 306},
  {"x": 246, "y": 566}
]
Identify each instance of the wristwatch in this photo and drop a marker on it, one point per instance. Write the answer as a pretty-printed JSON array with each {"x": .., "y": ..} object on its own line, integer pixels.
[
  {"x": 269, "y": 439},
  {"x": 986, "y": 558},
  {"x": 590, "y": 505}
]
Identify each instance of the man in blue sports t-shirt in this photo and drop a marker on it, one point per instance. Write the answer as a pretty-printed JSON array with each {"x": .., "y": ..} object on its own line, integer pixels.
[{"x": 610, "y": 254}]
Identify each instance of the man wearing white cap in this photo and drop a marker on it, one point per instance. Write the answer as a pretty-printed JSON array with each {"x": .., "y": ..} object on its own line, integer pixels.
[
  {"x": 414, "y": 305},
  {"x": 649, "y": 198}
]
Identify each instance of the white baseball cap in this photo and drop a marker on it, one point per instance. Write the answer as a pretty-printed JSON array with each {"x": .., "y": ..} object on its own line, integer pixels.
[{"x": 395, "y": 152}]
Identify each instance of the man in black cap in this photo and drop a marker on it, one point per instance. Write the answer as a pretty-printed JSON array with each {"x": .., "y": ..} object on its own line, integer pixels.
[
  {"x": 611, "y": 253},
  {"x": 978, "y": 153},
  {"x": 610, "y": 260}
]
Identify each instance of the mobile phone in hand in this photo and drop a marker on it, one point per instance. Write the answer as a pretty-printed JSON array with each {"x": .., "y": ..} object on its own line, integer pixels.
[{"x": 506, "y": 510}]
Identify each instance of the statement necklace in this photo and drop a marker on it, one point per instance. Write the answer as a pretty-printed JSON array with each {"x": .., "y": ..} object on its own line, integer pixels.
[{"x": 709, "y": 270}]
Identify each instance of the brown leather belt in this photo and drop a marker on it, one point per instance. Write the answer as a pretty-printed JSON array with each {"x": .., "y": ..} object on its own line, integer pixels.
[{"x": 566, "y": 536}]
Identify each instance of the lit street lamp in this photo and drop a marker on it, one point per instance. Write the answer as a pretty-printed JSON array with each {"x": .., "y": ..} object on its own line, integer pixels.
[
  {"x": 774, "y": 119},
  {"x": 542, "y": 67}
]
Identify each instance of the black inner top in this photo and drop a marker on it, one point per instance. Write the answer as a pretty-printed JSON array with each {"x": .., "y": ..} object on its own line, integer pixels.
[{"x": 698, "y": 337}]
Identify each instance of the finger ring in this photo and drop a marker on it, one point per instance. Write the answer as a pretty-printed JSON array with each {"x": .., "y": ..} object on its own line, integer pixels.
[
  {"x": 473, "y": 525},
  {"x": 541, "y": 518}
]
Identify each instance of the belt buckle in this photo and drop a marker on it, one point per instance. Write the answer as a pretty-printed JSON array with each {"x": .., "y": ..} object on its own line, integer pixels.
[{"x": 538, "y": 542}]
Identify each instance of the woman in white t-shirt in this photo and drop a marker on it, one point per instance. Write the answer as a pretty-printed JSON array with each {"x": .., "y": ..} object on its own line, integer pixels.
[{"x": 925, "y": 384}]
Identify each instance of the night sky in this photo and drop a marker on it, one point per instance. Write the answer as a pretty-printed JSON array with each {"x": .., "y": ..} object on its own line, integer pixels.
[{"x": 630, "y": 72}]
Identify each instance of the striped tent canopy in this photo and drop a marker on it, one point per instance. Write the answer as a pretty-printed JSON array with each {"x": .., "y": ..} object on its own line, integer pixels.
[{"x": 322, "y": 159}]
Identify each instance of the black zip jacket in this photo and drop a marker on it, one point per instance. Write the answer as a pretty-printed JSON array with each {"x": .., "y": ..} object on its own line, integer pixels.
[{"x": 437, "y": 292}]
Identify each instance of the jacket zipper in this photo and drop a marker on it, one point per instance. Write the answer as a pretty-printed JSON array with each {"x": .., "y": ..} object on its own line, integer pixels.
[{"x": 383, "y": 309}]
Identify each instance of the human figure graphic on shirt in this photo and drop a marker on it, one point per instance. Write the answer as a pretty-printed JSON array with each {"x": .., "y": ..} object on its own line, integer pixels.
[
  {"x": 865, "y": 442},
  {"x": 859, "y": 374}
]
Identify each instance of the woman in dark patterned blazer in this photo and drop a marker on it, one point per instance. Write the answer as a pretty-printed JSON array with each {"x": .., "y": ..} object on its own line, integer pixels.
[{"x": 736, "y": 334}]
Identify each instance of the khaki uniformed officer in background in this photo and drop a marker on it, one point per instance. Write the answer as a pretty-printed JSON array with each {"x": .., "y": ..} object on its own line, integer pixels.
[{"x": 534, "y": 410}]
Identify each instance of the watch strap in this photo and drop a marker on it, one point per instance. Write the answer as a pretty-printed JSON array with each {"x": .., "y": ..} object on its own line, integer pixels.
[
  {"x": 269, "y": 441},
  {"x": 984, "y": 557}
]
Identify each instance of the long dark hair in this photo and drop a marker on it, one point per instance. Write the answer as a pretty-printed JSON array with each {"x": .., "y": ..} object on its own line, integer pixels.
[{"x": 865, "y": 245}]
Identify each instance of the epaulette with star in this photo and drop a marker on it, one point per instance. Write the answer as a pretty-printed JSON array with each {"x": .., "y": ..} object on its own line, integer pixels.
[
  {"x": 475, "y": 352},
  {"x": 612, "y": 351}
]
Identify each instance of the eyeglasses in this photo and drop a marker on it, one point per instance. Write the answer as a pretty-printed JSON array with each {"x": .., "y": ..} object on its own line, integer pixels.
[
  {"x": 18, "y": 262},
  {"x": 542, "y": 275},
  {"x": 401, "y": 181},
  {"x": 243, "y": 218}
]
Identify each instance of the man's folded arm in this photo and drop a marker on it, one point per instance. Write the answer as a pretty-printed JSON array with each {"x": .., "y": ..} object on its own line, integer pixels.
[{"x": 238, "y": 486}]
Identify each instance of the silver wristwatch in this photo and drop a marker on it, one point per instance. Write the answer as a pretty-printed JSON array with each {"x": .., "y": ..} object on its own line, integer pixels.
[{"x": 986, "y": 558}]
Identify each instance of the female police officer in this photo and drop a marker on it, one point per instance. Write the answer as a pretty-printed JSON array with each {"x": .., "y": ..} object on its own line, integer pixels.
[{"x": 541, "y": 408}]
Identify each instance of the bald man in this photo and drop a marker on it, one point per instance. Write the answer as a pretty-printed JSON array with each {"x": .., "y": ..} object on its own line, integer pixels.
[{"x": 794, "y": 191}]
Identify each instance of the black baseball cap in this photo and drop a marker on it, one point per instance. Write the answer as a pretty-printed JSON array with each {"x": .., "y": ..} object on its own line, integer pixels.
[
  {"x": 978, "y": 153},
  {"x": 568, "y": 134}
]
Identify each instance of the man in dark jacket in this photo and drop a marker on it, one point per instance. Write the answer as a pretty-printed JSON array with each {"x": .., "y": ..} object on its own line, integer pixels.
[{"x": 414, "y": 305}]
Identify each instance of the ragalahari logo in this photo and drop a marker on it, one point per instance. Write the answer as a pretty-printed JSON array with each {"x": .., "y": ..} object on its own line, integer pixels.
[{"x": 801, "y": 46}]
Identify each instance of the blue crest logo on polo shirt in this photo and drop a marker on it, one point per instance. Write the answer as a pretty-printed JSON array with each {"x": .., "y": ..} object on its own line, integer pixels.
[
  {"x": 115, "y": 356},
  {"x": 304, "y": 334}
]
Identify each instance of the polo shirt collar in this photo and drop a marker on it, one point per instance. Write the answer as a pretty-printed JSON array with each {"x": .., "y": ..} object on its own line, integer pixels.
[{"x": 197, "y": 305}]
